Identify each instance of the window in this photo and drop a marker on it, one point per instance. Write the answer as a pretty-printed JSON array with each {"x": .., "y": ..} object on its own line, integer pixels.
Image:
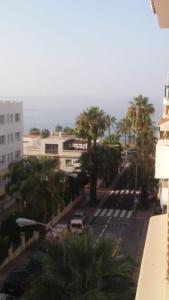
[
  {"x": 8, "y": 138},
  {"x": 2, "y": 139},
  {"x": 69, "y": 163},
  {"x": 2, "y": 119},
  {"x": 17, "y": 117},
  {"x": 8, "y": 157},
  {"x": 51, "y": 148},
  {"x": 17, "y": 136},
  {"x": 11, "y": 137},
  {"x": 17, "y": 154},
  {"x": 11, "y": 118},
  {"x": 8, "y": 118},
  {"x": 12, "y": 158},
  {"x": 2, "y": 159}
]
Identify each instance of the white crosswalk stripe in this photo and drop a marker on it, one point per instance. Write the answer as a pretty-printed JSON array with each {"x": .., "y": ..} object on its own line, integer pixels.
[
  {"x": 112, "y": 192},
  {"x": 110, "y": 211},
  {"x": 127, "y": 192},
  {"x": 123, "y": 213},
  {"x": 129, "y": 214},
  {"x": 103, "y": 212},
  {"x": 116, "y": 192},
  {"x": 116, "y": 213},
  {"x": 137, "y": 192},
  {"x": 131, "y": 192},
  {"x": 121, "y": 192},
  {"x": 97, "y": 212}
]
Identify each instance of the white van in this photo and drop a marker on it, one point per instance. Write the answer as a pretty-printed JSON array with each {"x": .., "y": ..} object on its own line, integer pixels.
[{"x": 76, "y": 226}]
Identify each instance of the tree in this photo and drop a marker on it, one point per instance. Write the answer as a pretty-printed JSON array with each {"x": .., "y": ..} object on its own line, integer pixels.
[
  {"x": 77, "y": 269},
  {"x": 68, "y": 130},
  {"x": 91, "y": 124},
  {"x": 59, "y": 128},
  {"x": 92, "y": 164},
  {"x": 35, "y": 182},
  {"x": 34, "y": 131},
  {"x": 45, "y": 133},
  {"x": 110, "y": 122},
  {"x": 124, "y": 129},
  {"x": 139, "y": 112}
]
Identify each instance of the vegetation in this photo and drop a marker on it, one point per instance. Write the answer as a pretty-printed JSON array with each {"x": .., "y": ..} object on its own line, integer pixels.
[
  {"x": 45, "y": 133},
  {"x": 76, "y": 268},
  {"x": 34, "y": 131},
  {"x": 139, "y": 113},
  {"x": 91, "y": 124},
  {"x": 40, "y": 189}
]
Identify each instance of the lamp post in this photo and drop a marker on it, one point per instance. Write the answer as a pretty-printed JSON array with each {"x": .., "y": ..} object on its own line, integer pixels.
[{"x": 21, "y": 222}]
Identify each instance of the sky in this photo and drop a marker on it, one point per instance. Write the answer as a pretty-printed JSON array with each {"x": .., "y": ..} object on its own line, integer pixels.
[{"x": 62, "y": 56}]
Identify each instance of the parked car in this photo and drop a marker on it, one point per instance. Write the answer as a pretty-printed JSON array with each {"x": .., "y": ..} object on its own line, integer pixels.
[
  {"x": 16, "y": 282},
  {"x": 76, "y": 225},
  {"x": 6, "y": 297},
  {"x": 79, "y": 214}
]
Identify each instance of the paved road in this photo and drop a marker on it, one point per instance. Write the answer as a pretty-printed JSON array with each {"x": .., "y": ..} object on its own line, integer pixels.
[{"x": 114, "y": 218}]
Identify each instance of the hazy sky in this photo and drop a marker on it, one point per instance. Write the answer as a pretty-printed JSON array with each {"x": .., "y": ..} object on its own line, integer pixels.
[{"x": 61, "y": 56}]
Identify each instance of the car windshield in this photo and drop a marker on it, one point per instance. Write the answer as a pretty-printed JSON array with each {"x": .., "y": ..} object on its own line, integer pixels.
[{"x": 78, "y": 215}]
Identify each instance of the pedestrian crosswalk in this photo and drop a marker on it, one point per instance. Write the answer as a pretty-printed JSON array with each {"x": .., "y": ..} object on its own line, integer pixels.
[
  {"x": 115, "y": 213},
  {"x": 124, "y": 192}
]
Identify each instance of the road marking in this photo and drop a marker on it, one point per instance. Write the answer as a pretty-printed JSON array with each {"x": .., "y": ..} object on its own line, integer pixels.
[
  {"x": 103, "y": 212},
  {"x": 116, "y": 192},
  {"x": 129, "y": 214},
  {"x": 112, "y": 192},
  {"x": 127, "y": 192},
  {"x": 123, "y": 213},
  {"x": 121, "y": 192},
  {"x": 110, "y": 212},
  {"x": 116, "y": 213},
  {"x": 137, "y": 192},
  {"x": 97, "y": 212},
  {"x": 131, "y": 192}
]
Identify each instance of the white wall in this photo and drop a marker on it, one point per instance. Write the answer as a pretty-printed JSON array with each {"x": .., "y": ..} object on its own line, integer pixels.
[
  {"x": 10, "y": 127},
  {"x": 162, "y": 159}
]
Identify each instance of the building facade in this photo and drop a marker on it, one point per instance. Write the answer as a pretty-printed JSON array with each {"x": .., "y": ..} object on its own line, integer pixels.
[
  {"x": 153, "y": 280},
  {"x": 11, "y": 134},
  {"x": 65, "y": 149}
]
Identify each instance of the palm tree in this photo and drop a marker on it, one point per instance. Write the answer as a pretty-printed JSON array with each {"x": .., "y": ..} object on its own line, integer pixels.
[
  {"x": 77, "y": 269},
  {"x": 36, "y": 183},
  {"x": 124, "y": 129},
  {"x": 92, "y": 164},
  {"x": 110, "y": 122},
  {"x": 91, "y": 124},
  {"x": 139, "y": 112}
]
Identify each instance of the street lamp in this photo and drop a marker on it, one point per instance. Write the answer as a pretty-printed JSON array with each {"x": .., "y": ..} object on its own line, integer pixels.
[{"x": 21, "y": 222}]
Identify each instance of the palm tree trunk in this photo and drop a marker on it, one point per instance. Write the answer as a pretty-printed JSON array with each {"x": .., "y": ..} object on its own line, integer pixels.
[{"x": 93, "y": 186}]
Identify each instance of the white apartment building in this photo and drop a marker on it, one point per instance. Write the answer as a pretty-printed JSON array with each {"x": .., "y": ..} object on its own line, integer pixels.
[
  {"x": 66, "y": 149},
  {"x": 153, "y": 280},
  {"x": 11, "y": 133}
]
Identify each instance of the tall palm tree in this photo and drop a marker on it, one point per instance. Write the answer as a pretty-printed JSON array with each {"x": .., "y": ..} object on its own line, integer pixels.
[
  {"x": 124, "y": 129},
  {"x": 92, "y": 164},
  {"x": 36, "y": 183},
  {"x": 110, "y": 122},
  {"x": 91, "y": 124},
  {"x": 77, "y": 269},
  {"x": 140, "y": 111}
]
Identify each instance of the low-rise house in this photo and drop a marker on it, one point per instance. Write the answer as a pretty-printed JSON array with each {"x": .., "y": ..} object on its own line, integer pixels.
[{"x": 66, "y": 149}]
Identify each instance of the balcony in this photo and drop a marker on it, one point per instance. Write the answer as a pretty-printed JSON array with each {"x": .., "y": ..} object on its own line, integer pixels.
[
  {"x": 153, "y": 284},
  {"x": 162, "y": 159},
  {"x": 161, "y": 9}
]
